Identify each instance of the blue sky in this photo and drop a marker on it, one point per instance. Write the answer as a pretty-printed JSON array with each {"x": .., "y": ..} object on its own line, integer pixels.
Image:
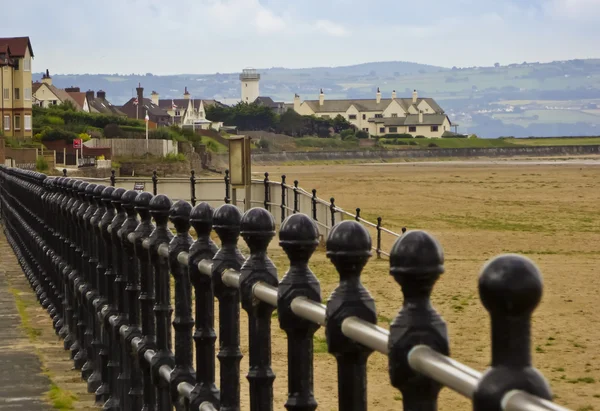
[{"x": 208, "y": 36}]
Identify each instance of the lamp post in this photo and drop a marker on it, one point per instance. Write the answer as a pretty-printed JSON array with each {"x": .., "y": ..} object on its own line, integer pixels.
[{"x": 147, "y": 119}]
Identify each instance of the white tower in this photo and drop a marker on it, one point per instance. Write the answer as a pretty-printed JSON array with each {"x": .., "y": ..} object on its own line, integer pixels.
[{"x": 249, "y": 79}]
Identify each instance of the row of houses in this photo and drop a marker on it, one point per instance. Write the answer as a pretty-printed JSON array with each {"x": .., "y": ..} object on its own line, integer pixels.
[{"x": 379, "y": 116}]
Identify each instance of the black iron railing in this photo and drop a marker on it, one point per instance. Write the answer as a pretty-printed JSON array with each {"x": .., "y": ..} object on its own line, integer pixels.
[{"x": 100, "y": 260}]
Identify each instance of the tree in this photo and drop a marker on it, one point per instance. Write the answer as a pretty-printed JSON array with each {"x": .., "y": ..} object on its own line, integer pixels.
[
  {"x": 496, "y": 65},
  {"x": 340, "y": 124},
  {"x": 291, "y": 123}
]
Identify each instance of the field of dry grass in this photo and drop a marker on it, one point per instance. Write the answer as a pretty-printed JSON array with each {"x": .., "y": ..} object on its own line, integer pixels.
[{"x": 548, "y": 213}]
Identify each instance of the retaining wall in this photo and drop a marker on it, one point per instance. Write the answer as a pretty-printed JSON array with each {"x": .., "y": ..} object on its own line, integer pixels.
[{"x": 128, "y": 148}]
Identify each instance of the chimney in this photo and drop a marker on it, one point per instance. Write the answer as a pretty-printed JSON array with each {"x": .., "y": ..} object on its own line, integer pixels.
[
  {"x": 89, "y": 95},
  {"x": 46, "y": 79},
  {"x": 186, "y": 95},
  {"x": 420, "y": 116},
  {"x": 73, "y": 90},
  {"x": 101, "y": 94},
  {"x": 296, "y": 103},
  {"x": 154, "y": 98},
  {"x": 378, "y": 95},
  {"x": 140, "y": 95},
  {"x": 393, "y": 94},
  {"x": 414, "y": 97},
  {"x": 321, "y": 98}
]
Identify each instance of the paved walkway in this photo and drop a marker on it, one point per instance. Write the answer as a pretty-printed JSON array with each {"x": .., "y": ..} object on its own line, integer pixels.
[{"x": 22, "y": 385}]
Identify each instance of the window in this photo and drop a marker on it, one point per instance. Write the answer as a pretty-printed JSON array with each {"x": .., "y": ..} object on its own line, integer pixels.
[
  {"x": 6, "y": 122},
  {"x": 53, "y": 102},
  {"x": 17, "y": 122},
  {"x": 26, "y": 64},
  {"x": 364, "y": 116},
  {"x": 352, "y": 117},
  {"x": 394, "y": 115},
  {"x": 434, "y": 128},
  {"x": 17, "y": 94},
  {"x": 382, "y": 129},
  {"x": 393, "y": 129},
  {"x": 412, "y": 129},
  {"x": 378, "y": 115},
  {"x": 202, "y": 114},
  {"x": 177, "y": 113},
  {"x": 27, "y": 122},
  {"x": 6, "y": 94},
  {"x": 27, "y": 93},
  {"x": 366, "y": 129},
  {"x": 16, "y": 66}
]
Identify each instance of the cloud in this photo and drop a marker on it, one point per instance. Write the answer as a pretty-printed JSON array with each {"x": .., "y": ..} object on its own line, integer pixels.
[
  {"x": 575, "y": 9},
  {"x": 331, "y": 28},
  {"x": 267, "y": 22}
]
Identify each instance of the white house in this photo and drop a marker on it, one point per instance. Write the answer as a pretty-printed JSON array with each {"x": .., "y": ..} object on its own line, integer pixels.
[{"x": 381, "y": 116}]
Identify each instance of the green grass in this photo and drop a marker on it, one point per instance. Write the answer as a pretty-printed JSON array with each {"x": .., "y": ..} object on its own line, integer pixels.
[
  {"x": 61, "y": 399},
  {"x": 22, "y": 305},
  {"x": 452, "y": 143},
  {"x": 566, "y": 141},
  {"x": 213, "y": 145},
  {"x": 325, "y": 143}
]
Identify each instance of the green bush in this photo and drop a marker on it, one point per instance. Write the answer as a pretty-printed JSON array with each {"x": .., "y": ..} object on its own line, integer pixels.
[
  {"x": 432, "y": 145},
  {"x": 264, "y": 144},
  {"x": 56, "y": 134},
  {"x": 160, "y": 134},
  {"x": 403, "y": 135},
  {"x": 54, "y": 120},
  {"x": 347, "y": 133},
  {"x": 112, "y": 131},
  {"x": 361, "y": 134},
  {"x": 41, "y": 164},
  {"x": 172, "y": 157},
  {"x": 134, "y": 129},
  {"x": 419, "y": 136}
]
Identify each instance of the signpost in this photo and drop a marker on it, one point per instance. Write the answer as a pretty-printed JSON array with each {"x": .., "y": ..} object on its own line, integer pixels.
[
  {"x": 147, "y": 118},
  {"x": 240, "y": 168},
  {"x": 77, "y": 143}
]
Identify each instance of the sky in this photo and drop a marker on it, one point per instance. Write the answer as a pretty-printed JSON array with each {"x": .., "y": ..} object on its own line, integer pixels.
[{"x": 209, "y": 36}]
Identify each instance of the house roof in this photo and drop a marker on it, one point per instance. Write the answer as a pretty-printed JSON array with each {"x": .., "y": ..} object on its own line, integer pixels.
[
  {"x": 59, "y": 93},
  {"x": 182, "y": 103},
  {"x": 17, "y": 45},
  {"x": 268, "y": 101},
  {"x": 35, "y": 86},
  {"x": 79, "y": 98},
  {"x": 154, "y": 110},
  {"x": 103, "y": 106},
  {"x": 365, "y": 105},
  {"x": 411, "y": 120}
]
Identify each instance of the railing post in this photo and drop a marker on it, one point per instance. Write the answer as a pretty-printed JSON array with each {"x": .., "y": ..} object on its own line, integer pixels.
[
  {"x": 267, "y": 192},
  {"x": 416, "y": 262},
  {"x": 357, "y": 218},
  {"x": 378, "y": 251},
  {"x": 143, "y": 305},
  {"x": 298, "y": 236},
  {"x": 154, "y": 183},
  {"x": 64, "y": 172},
  {"x": 160, "y": 207},
  {"x": 113, "y": 179},
  {"x": 130, "y": 296},
  {"x": 257, "y": 230},
  {"x": 205, "y": 389},
  {"x": 193, "y": 187},
  {"x": 227, "y": 198},
  {"x": 184, "y": 322},
  {"x": 332, "y": 210},
  {"x": 106, "y": 275},
  {"x": 282, "y": 206},
  {"x": 314, "y": 204},
  {"x": 349, "y": 248},
  {"x": 296, "y": 194},
  {"x": 227, "y": 220},
  {"x": 510, "y": 288}
]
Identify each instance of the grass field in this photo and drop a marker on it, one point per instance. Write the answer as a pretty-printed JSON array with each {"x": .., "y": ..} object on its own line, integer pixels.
[{"x": 548, "y": 213}]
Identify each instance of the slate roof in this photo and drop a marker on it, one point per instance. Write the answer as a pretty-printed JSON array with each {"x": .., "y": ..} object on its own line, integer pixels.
[
  {"x": 269, "y": 102},
  {"x": 366, "y": 105},
  {"x": 411, "y": 120},
  {"x": 79, "y": 97},
  {"x": 182, "y": 103},
  {"x": 154, "y": 110},
  {"x": 17, "y": 45},
  {"x": 103, "y": 106},
  {"x": 59, "y": 93}
]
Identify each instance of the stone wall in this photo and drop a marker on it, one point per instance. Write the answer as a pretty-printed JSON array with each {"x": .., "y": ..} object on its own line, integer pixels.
[
  {"x": 174, "y": 169},
  {"x": 426, "y": 153},
  {"x": 23, "y": 157},
  {"x": 135, "y": 148}
]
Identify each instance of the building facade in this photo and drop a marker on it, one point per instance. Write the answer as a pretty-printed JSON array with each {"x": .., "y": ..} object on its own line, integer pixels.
[
  {"x": 380, "y": 116},
  {"x": 16, "y": 55}
]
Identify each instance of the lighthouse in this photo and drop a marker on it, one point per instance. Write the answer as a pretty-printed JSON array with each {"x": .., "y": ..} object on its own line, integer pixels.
[{"x": 249, "y": 79}]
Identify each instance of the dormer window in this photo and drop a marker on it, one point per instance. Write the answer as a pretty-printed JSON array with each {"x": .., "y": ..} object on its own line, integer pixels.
[
  {"x": 177, "y": 113},
  {"x": 378, "y": 115}
]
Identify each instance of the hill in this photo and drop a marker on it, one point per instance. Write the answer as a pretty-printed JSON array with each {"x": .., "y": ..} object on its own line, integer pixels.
[{"x": 529, "y": 99}]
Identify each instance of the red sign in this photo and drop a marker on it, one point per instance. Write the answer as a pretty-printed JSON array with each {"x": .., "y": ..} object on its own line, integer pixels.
[{"x": 77, "y": 143}]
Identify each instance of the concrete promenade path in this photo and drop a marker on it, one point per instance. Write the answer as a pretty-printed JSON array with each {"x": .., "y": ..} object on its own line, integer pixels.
[{"x": 22, "y": 384}]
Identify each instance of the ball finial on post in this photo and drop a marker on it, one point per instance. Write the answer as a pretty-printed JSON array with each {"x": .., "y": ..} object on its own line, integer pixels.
[
  {"x": 349, "y": 249},
  {"x": 416, "y": 262},
  {"x": 510, "y": 288}
]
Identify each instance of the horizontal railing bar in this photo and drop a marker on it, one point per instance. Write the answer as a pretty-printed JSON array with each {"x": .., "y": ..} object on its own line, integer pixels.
[
  {"x": 163, "y": 250},
  {"x": 266, "y": 293},
  {"x": 308, "y": 310},
  {"x": 131, "y": 238},
  {"x": 183, "y": 258},
  {"x": 444, "y": 370},
  {"x": 369, "y": 335},
  {"x": 205, "y": 267},
  {"x": 185, "y": 390},
  {"x": 231, "y": 278},
  {"x": 146, "y": 243},
  {"x": 165, "y": 372},
  {"x": 521, "y": 401},
  {"x": 206, "y": 406},
  {"x": 148, "y": 356}
]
